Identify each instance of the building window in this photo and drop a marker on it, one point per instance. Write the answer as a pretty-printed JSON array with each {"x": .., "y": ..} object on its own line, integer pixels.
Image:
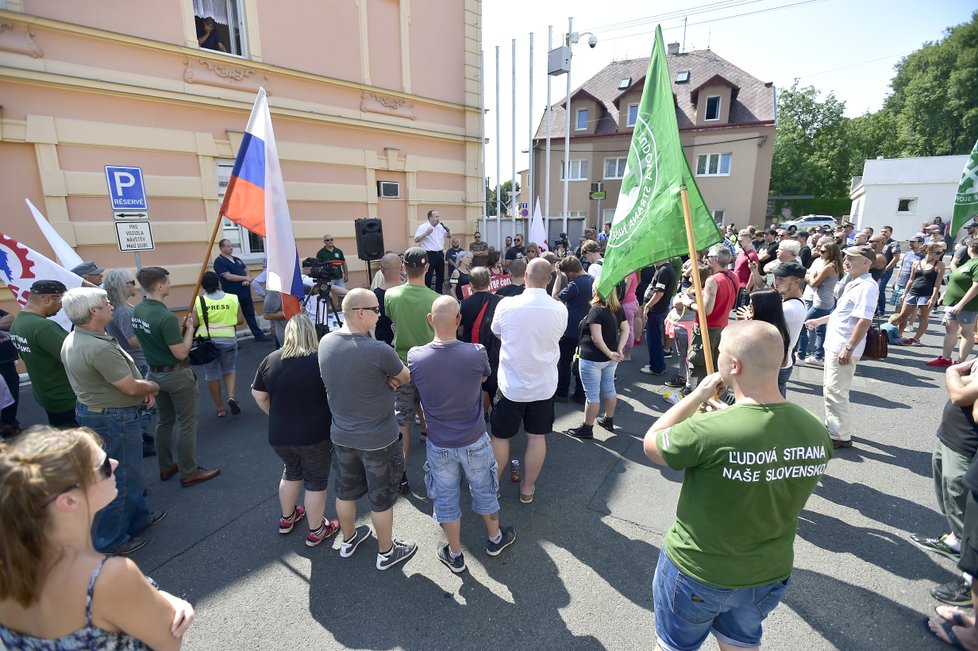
[
  {"x": 713, "y": 164},
  {"x": 712, "y": 108},
  {"x": 220, "y": 26},
  {"x": 907, "y": 206},
  {"x": 614, "y": 168},
  {"x": 581, "y": 124},
  {"x": 607, "y": 215},
  {"x": 632, "y": 115},
  {"x": 250, "y": 247},
  {"x": 578, "y": 170},
  {"x": 718, "y": 217}
]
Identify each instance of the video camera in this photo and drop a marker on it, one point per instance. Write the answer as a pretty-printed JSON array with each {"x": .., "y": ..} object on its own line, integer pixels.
[{"x": 321, "y": 274}]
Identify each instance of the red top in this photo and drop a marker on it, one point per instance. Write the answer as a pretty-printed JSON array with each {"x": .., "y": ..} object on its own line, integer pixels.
[
  {"x": 742, "y": 268},
  {"x": 726, "y": 297}
]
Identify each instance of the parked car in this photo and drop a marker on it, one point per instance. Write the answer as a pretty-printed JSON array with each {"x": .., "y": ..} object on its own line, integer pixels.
[{"x": 807, "y": 221}]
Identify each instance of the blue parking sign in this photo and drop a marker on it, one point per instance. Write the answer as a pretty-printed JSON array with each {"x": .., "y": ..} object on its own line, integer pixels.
[{"x": 126, "y": 188}]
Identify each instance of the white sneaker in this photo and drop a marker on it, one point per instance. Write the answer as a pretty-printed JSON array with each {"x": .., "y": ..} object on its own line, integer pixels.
[{"x": 814, "y": 361}]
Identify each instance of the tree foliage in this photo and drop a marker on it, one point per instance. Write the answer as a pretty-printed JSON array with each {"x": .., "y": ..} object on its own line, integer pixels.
[
  {"x": 932, "y": 111},
  {"x": 505, "y": 195}
]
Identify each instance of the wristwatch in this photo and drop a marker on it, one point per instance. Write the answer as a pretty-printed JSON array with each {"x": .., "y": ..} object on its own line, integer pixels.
[{"x": 849, "y": 347}]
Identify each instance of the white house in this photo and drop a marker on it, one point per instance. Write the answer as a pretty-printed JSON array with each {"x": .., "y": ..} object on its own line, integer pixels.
[{"x": 905, "y": 192}]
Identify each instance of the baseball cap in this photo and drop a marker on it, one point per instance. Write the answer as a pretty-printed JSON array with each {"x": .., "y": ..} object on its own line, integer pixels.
[
  {"x": 789, "y": 270},
  {"x": 863, "y": 250},
  {"x": 971, "y": 224},
  {"x": 48, "y": 287},
  {"x": 919, "y": 237},
  {"x": 87, "y": 268},
  {"x": 415, "y": 257}
]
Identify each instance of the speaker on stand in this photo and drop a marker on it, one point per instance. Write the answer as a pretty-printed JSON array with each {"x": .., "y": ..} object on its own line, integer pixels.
[{"x": 370, "y": 242}]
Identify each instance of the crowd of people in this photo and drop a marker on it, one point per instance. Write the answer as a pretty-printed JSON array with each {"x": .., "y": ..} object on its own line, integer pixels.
[{"x": 521, "y": 328}]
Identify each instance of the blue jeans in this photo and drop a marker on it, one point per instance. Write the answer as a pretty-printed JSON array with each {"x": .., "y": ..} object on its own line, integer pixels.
[
  {"x": 812, "y": 345},
  {"x": 122, "y": 439},
  {"x": 148, "y": 418},
  {"x": 783, "y": 376},
  {"x": 655, "y": 329},
  {"x": 443, "y": 478},
  {"x": 686, "y": 611},
  {"x": 598, "y": 379},
  {"x": 883, "y": 282}
]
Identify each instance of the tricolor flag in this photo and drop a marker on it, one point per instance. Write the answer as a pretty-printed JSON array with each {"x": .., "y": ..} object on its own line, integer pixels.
[
  {"x": 22, "y": 266},
  {"x": 62, "y": 250},
  {"x": 537, "y": 233},
  {"x": 648, "y": 225},
  {"x": 255, "y": 199}
]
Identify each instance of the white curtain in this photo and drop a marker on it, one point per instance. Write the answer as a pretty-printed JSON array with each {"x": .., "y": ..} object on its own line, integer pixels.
[{"x": 216, "y": 9}]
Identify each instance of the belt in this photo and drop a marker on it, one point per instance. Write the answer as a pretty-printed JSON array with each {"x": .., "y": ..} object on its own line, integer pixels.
[
  {"x": 169, "y": 367},
  {"x": 103, "y": 410}
]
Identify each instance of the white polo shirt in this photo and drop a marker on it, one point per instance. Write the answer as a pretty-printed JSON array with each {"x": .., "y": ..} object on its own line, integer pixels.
[
  {"x": 433, "y": 242},
  {"x": 858, "y": 301},
  {"x": 529, "y": 326}
]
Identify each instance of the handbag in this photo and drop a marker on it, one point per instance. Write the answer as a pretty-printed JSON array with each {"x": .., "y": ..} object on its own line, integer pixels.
[
  {"x": 203, "y": 350},
  {"x": 877, "y": 343}
]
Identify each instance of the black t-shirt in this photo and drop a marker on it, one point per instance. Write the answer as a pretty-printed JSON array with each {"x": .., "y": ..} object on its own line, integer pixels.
[
  {"x": 644, "y": 278},
  {"x": 514, "y": 252},
  {"x": 805, "y": 255},
  {"x": 610, "y": 325},
  {"x": 385, "y": 327},
  {"x": 7, "y": 351},
  {"x": 772, "y": 251},
  {"x": 510, "y": 290},
  {"x": 958, "y": 430},
  {"x": 299, "y": 413},
  {"x": 470, "y": 308},
  {"x": 665, "y": 281}
]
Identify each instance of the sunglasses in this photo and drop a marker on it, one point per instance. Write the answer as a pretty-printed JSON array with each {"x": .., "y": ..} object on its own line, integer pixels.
[
  {"x": 104, "y": 470},
  {"x": 329, "y": 240},
  {"x": 375, "y": 309}
]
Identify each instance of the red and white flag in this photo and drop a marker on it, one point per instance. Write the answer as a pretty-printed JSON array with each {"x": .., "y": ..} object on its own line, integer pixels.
[
  {"x": 22, "y": 266},
  {"x": 537, "y": 233}
]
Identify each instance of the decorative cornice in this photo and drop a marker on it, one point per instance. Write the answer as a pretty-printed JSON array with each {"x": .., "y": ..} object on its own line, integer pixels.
[
  {"x": 19, "y": 39},
  {"x": 215, "y": 73},
  {"x": 378, "y": 103}
]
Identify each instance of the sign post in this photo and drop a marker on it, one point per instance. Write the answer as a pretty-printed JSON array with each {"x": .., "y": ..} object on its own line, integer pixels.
[{"x": 130, "y": 210}]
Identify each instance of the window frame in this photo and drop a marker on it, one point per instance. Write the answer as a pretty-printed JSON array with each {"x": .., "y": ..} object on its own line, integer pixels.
[
  {"x": 722, "y": 213},
  {"x": 236, "y": 21},
  {"x": 706, "y": 108},
  {"x": 630, "y": 119},
  {"x": 243, "y": 241},
  {"x": 714, "y": 157},
  {"x": 619, "y": 165},
  {"x": 911, "y": 208},
  {"x": 577, "y": 119},
  {"x": 581, "y": 163}
]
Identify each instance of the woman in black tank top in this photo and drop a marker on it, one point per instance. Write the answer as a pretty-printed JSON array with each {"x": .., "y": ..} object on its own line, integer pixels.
[{"x": 923, "y": 288}]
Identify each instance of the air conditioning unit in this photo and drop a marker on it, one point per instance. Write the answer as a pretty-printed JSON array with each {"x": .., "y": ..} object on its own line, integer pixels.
[{"x": 388, "y": 189}]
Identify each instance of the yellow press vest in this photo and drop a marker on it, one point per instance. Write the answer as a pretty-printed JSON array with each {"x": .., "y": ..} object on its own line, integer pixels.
[{"x": 222, "y": 316}]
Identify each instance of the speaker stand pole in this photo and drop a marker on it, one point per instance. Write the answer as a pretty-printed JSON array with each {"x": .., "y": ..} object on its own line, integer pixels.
[{"x": 370, "y": 275}]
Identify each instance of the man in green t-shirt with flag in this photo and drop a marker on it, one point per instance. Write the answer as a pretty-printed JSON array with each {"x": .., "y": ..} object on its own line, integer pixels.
[{"x": 749, "y": 469}]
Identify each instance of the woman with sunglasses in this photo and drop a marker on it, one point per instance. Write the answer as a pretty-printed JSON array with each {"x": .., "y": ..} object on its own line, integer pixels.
[
  {"x": 822, "y": 277},
  {"x": 923, "y": 288},
  {"x": 52, "y": 483}
]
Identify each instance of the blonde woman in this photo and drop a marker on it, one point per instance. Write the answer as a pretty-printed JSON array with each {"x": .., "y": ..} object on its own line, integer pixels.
[
  {"x": 460, "y": 277},
  {"x": 52, "y": 484},
  {"x": 289, "y": 388}
]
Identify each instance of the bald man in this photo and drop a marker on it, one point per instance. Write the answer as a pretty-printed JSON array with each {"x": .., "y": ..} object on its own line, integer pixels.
[
  {"x": 529, "y": 327},
  {"x": 749, "y": 469},
  {"x": 390, "y": 267},
  {"x": 457, "y": 440}
]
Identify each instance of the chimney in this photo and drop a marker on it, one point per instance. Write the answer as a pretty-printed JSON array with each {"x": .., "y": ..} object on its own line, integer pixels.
[{"x": 673, "y": 48}]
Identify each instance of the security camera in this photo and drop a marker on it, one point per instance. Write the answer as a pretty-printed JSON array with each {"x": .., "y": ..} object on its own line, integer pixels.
[{"x": 592, "y": 41}]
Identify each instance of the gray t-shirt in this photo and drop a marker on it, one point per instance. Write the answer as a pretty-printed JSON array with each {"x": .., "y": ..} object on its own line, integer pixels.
[
  {"x": 120, "y": 327},
  {"x": 273, "y": 303},
  {"x": 448, "y": 376},
  {"x": 355, "y": 368}
]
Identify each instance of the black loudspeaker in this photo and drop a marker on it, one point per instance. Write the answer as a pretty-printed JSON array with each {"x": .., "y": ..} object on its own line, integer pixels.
[{"x": 370, "y": 239}]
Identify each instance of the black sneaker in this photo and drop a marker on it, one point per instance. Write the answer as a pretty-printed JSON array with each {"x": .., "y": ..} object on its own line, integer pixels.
[
  {"x": 509, "y": 537},
  {"x": 127, "y": 547},
  {"x": 401, "y": 551},
  {"x": 679, "y": 382},
  {"x": 582, "y": 432},
  {"x": 956, "y": 592},
  {"x": 347, "y": 547},
  {"x": 607, "y": 423},
  {"x": 456, "y": 564},
  {"x": 404, "y": 488},
  {"x": 936, "y": 545}
]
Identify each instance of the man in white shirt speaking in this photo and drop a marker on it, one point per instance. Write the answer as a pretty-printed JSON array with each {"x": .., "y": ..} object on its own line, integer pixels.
[
  {"x": 431, "y": 236},
  {"x": 529, "y": 327}
]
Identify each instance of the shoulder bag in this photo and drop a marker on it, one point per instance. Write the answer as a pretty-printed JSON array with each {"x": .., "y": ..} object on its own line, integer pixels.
[{"x": 204, "y": 349}]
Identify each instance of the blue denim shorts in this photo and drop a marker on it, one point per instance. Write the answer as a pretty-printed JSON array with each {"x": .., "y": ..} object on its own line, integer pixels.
[
  {"x": 686, "y": 611},
  {"x": 442, "y": 478},
  {"x": 964, "y": 317},
  {"x": 598, "y": 379},
  {"x": 225, "y": 363}
]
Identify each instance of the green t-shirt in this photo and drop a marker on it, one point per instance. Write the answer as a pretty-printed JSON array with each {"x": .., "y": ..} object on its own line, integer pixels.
[
  {"x": 958, "y": 284},
  {"x": 39, "y": 342},
  {"x": 407, "y": 306},
  {"x": 156, "y": 329},
  {"x": 749, "y": 471},
  {"x": 93, "y": 362},
  {"x": 333, "y": 260}
]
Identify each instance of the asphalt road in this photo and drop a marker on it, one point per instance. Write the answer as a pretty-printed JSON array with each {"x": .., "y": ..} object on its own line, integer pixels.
[{"x": 579, "y": 574}]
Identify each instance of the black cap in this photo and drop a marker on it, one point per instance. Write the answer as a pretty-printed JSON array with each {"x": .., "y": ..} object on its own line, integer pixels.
[
  {"x": 48, "y": 287},
  {"x": 87, "y": 268},
  {"x": 789, "y": 270},
  {"x": 415, "y": 257}
]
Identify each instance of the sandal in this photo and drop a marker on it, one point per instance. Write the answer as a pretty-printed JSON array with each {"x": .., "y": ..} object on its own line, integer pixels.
[
  {"x": 527, "y": 498},
  {"x": 235, "y": 407},
  {"x": 955, "y": 616},
  {"x": 946, "y": 627},
  {"x": 221, "y": 413}
]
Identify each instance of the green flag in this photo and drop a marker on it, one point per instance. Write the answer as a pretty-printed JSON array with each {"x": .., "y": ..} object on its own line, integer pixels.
[
  {"x": 648, "y": 225},
  {"x": 966, "y": 201}
]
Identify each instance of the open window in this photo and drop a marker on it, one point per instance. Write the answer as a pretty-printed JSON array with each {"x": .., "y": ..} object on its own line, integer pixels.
[{"x": 220, "y": 26}]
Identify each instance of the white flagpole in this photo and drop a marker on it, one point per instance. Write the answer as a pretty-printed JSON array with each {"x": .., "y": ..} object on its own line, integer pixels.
[
  {"x": 567, "y": 110},
  {"x": 499, "y": 217},
  {"x": 513, "y": 203},
  {"x": 529, "y": 110},
  {"x": 482, "y": 137},
  {"x": 546, "y": 178}
]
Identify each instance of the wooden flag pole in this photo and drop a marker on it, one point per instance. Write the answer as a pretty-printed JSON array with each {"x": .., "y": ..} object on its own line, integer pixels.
[
  {"x": 203, "y": 267},
  {"x": 697, "y": 283}
]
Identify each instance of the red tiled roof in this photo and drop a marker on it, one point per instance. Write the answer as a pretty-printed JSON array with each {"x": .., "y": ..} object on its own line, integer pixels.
[{"x": 753, "y": 99}]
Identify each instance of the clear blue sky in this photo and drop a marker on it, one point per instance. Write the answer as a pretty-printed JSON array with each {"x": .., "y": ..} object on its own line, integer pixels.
[{"x": 847, "y": 47}]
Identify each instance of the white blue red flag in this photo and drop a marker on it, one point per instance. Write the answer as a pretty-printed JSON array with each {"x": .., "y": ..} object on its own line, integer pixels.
[
  {"x": 22, "y": 266},
  {"x": 255, "y": 199}
]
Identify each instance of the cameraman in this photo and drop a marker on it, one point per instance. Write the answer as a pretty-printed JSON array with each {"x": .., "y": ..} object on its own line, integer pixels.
[{"x": 318, "y": 283}]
